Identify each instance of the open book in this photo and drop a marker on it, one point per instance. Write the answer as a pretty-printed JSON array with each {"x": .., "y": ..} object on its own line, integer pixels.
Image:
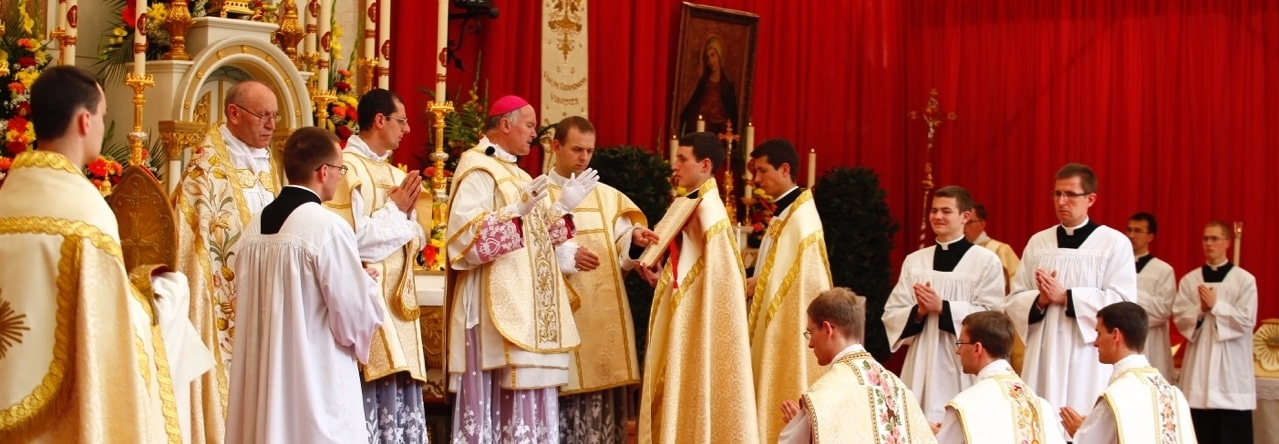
[{"x": 667, "y": 228}]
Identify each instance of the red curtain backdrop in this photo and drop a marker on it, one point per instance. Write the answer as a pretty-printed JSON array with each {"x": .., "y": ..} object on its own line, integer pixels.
[{"x": 1167, "y": 101}]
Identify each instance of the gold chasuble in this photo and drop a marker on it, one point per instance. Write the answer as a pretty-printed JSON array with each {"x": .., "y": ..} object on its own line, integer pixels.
[
  {"x": 792, "y": 272},
  {"x": 80, "y": 348},
  {"x": 857, "y": 400},
  {"x": 1148, "y": 409},
  {"x": 212, "y": 213},
  {"x": 607, "y": 356},
  {"x": 397, "y": 346},
  {"x": 525, "y": 321},
  {"x": 697, "y": 373}
]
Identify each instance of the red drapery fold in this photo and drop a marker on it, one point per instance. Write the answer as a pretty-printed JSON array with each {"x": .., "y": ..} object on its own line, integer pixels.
[{"x": 1167, "y": 101}]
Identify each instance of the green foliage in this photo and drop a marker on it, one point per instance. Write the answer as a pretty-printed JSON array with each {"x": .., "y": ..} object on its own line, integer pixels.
[
  {"x": 859, "y": 236},
  {"x": 463, "y": 128},
  {"x": 645, "y": 178}
]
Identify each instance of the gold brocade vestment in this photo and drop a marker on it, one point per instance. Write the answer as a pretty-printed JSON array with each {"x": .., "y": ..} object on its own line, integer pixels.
[
  {"x": 81, "y": 354},
  {"x": 792, "y": 272},
  {"x": 397, "y": 346},
  {"x": 212, "y": 213},
  {"x": 858, "y": 400},
  {"x": 697, "y": 374}
]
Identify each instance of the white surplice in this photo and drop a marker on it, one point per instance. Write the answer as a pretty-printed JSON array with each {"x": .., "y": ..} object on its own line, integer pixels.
[
  {"x": 1217, "y": 371},
  {"x": 932, "y": 369},
  {"x": 1156, "y": 289},
  {"x": 307, "y": 312},
  {"x": 1061, "y": 363}
]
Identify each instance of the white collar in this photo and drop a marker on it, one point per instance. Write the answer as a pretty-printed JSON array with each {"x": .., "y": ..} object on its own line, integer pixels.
[
  {"x": 1139, "y": 256},
  {"x": 787, "y": 193},
  {"x": 304, "y": 188},
  {"x": 946, "y": 245},
  {"x": 556, "y": 178},
  {"x": 235, "y": 144},
  {"x": 1219, "y": 265},
  {"x": 1070, "y": 231},
  {"x": 996, "y": 367},
  {"x": 498, "y": 152},
  {"x": 848, "y": 351},
  {"x": 1135, "y": 360},
  {"x": 359, "y": 146}
]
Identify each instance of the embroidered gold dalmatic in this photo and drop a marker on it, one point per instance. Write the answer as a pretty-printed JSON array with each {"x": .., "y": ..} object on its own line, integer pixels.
[
  {"x": 526, "y": 324},
  {"x": 1148, "y": 409},
  {"x": 212, "y": 214},
  {"x": 857, "y": 399},
  {"x": 697, "y": 373},
  {"x": 81, "y": 355},
  {"x": 607, "y": 356},
  {"x": 1002, "y": 408},
  {"x": 793, "y": 270},
  {"x": 397, "y": 346}
]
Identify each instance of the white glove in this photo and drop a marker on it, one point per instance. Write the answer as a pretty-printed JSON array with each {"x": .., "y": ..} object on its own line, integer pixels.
[
  {"x": 575, "y": 190},
  {"x": 530, "y": 195}
]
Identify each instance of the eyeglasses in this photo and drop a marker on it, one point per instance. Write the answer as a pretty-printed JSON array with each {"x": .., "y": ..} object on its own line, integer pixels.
[
  {"x": 1058, "y": 194},
  {"x": 961, "y": 343},
  {"x": 403, "y": 120},
  {"x": 1136, "y": 230},
  {"x": 808, "y": 333},
  {"x": 274, "y": 117},
  {"x": 341, "y": 168},
  {"x": 1214, "y": 238}
]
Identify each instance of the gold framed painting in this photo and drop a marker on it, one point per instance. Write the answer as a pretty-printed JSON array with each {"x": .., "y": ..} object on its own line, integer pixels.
[{"x": 714, "y": 65}]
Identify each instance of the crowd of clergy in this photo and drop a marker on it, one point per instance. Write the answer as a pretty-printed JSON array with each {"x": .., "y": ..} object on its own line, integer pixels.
[{"x": 291, "y": 315}]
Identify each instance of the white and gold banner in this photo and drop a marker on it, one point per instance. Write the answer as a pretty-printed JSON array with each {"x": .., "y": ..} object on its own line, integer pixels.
[{"x": 564, "y": 62}]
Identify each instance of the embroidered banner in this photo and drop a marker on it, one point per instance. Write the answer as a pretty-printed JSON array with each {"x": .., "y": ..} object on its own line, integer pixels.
[{"x": 564, "y": 63}]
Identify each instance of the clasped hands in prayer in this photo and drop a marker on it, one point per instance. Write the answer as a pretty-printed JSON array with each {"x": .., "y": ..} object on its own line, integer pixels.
[
  {"x": 1207, "y": 297},
  {"x": 406, "y": 193},
  {"x": 927, "y": 300},
  {"x": 1050, "y": 290}
]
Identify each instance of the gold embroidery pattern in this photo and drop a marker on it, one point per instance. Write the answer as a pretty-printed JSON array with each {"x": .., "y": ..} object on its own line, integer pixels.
[
  {"x": 793, "y": 274},
  {"x": 12, "y": 324},
  {"x": 1025, "y": 409},
  {"x": 38, "y": 407},
  {"x": 761, "y": 283},
  {"x": 248, "y": 179},
  {"x": 45, "y": 159}
]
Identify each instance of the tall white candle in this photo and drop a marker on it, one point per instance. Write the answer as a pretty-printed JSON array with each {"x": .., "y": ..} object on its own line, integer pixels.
[
  {"x": 812, "y": 167},
  {"x": 384, "y": 36},
  {"x": 441, "y": 42},
  {"x": 368, "y": 42},
  {"x": 309, "y": 25},
  {"x": 325, "y": 24},
  {"x": 701, "y": 124},
  {"x": 62, "y": 15},
  {"x": 72, "y": 30},
  {"x": 140, "y": 39},
  {"x": 674, "y": 148},
  {"x": 750, "y": 140}
]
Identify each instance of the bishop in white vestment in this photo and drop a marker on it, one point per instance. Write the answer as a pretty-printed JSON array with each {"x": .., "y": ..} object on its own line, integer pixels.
[
  {"x": 307, "y": 312},
  {"x": 939, "y": 286}
]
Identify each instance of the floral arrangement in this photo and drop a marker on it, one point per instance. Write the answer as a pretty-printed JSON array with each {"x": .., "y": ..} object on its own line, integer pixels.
[
  {"x": 115, "y": 47},
  {"x": 24, "y": 56},
  {"x": 343, "y": 116},
  {"x": 760, "y": 208},
  {"x": 432, "y": 255},
  {"x": 104, "y": 173}
]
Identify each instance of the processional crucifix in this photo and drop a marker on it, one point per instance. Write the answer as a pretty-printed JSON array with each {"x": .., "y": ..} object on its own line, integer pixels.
[
  {"x": 933, "y": 118},
  {"x": 729, "y": 138}
]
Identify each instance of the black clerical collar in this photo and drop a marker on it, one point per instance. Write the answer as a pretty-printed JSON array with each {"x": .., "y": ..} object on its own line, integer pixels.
[
  {"x": 692, "y": 195},
  {"x": 787, "y": 199},
  {"x": 278, "y": 211},
  {"x": 1143, "y": 260},
  {"x": 1218, "y": 273},
  {"x": 946, "y": 259},
  {"x": 1076, "y": 240}
]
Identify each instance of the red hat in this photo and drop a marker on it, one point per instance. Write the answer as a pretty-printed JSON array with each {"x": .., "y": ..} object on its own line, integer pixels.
[{"x": 507, "y": 104}]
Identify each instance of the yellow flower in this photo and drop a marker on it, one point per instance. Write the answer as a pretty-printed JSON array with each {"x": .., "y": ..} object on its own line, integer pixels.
[
  {"x": 27, "y": 77},
  {"x": 157, "y": 13},
  {"x": 334, "y": 44},
  {"x": 349, "y": 100},
  {"x": 119, "y": 32}
]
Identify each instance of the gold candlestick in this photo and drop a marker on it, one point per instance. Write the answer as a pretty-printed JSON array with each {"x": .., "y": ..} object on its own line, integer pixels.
[
  {"x": 439, "y": 109},
  {"x": 4, "y": 61},
  {"x": 730, "y": 201},
  {"x": 290, "y": 32},
  {"x": 367, "y": 80},
  {"x": 178, "y": 22},
  {"x": 321, "y": 98},
  {"x": 137, "y": 137}
]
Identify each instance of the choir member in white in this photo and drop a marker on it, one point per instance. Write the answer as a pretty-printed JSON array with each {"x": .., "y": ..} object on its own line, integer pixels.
[
  {"x": 1156, "y": 289},
  {"x": 307, "y": 311},
  {"x": 939, "y": 286},
  {"x": 1215, "y": 310},
  {"x": 1067, "y": 273}
]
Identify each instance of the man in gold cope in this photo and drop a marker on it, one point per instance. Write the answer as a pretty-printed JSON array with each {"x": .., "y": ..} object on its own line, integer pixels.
[
  {"x": 697, "y": 372},
  {"x": 790, "y": 270},
  {"x": 610, "y": 236},
  {"x": 81, "y": 353},
  {"x": 228, "y": 180},
  {"x": 377, "y": 200},
  {"x": 856, "y": 400}
]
